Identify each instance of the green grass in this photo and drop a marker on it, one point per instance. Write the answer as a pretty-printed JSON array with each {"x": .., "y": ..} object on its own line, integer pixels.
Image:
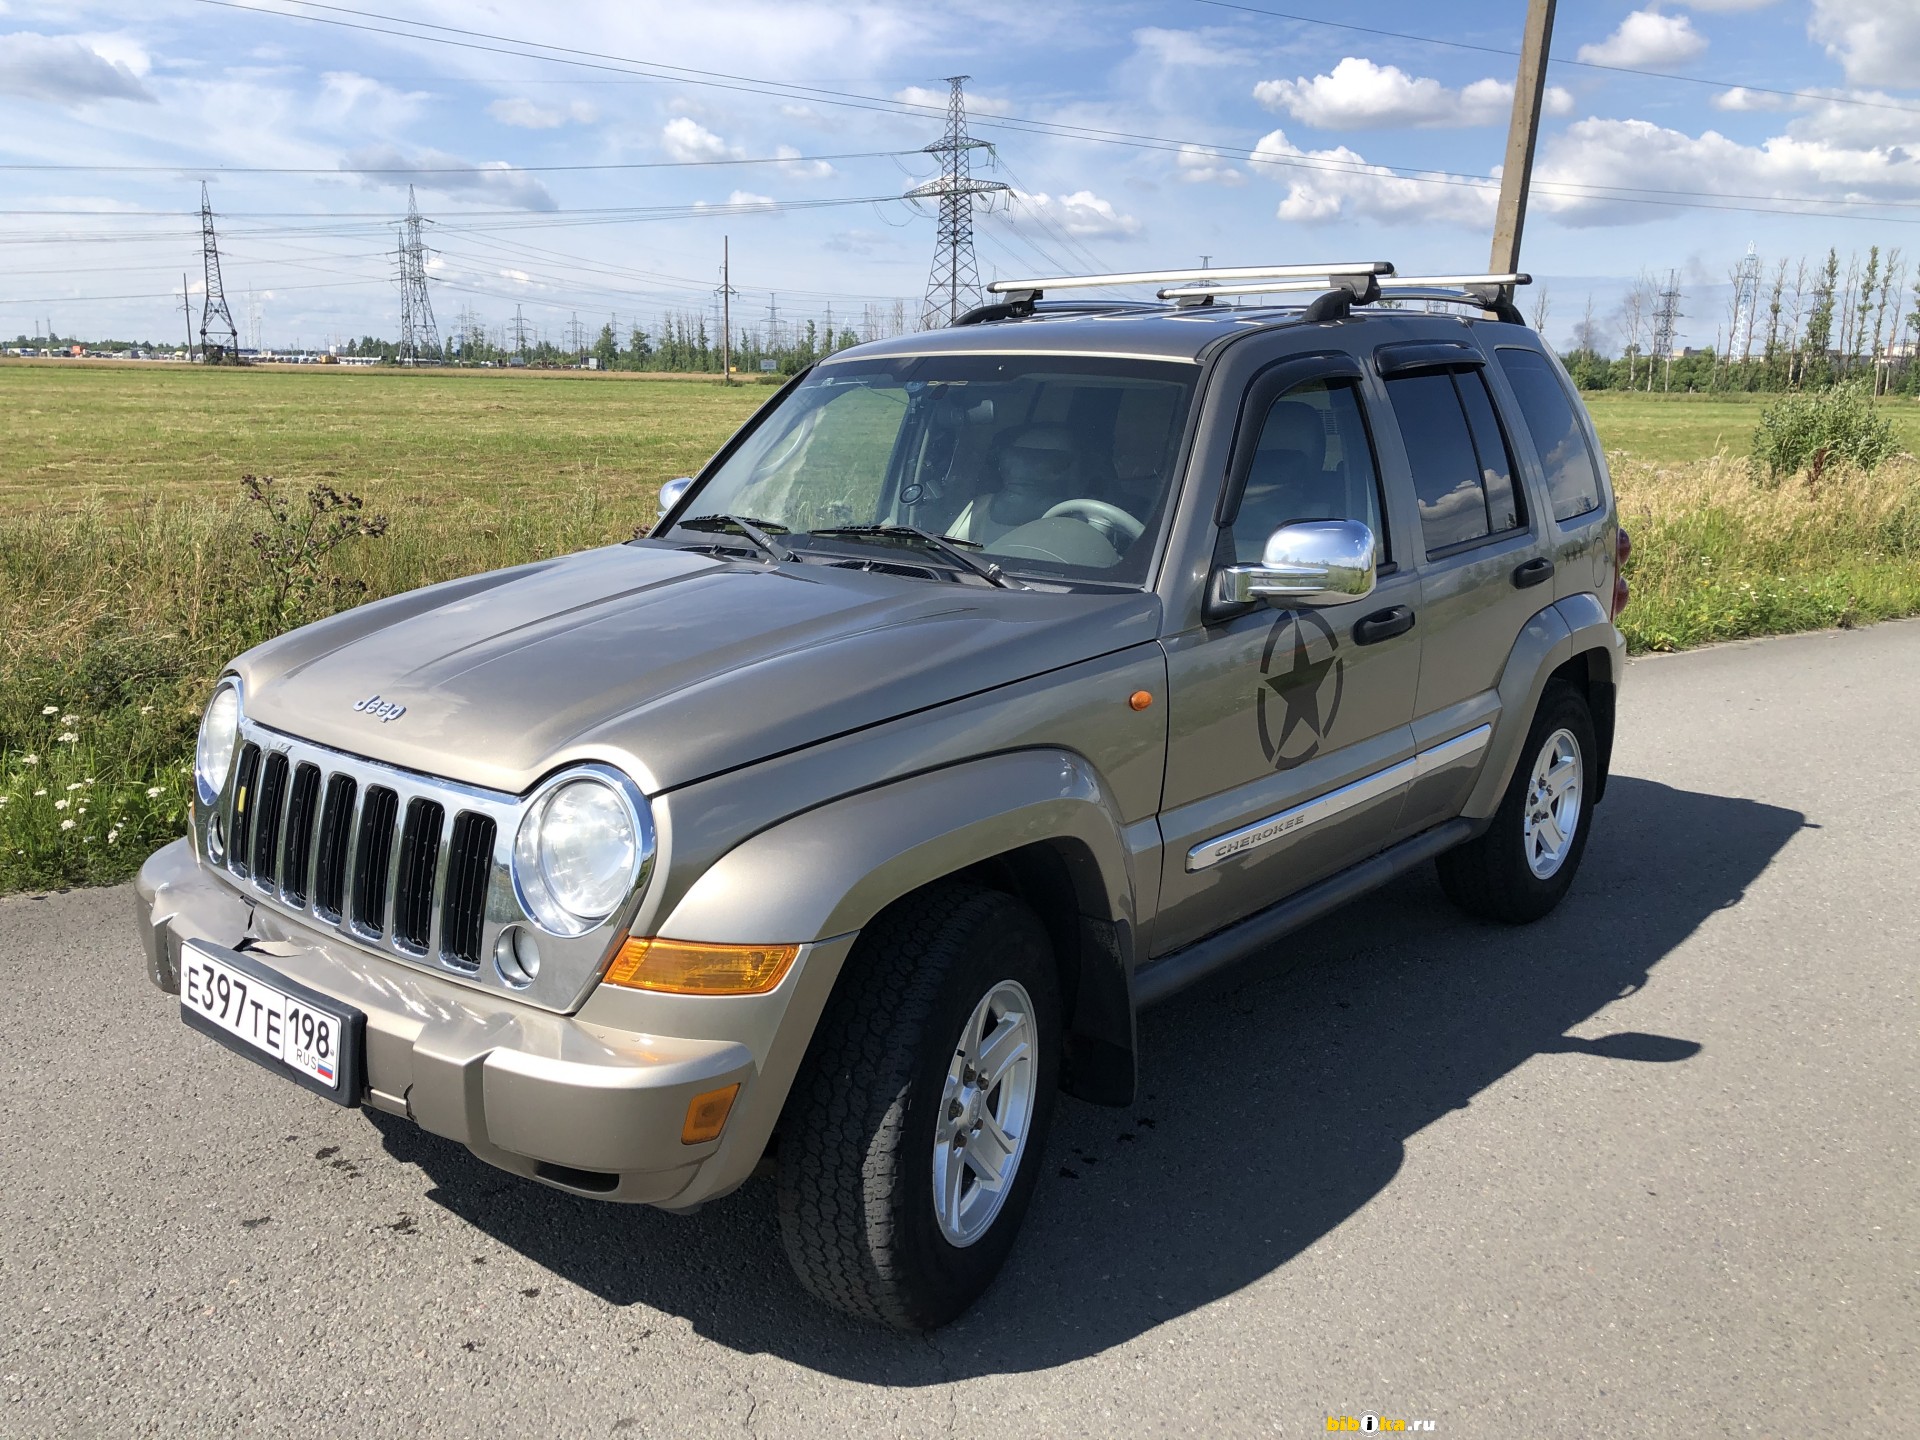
[
  {"x": 125, "y": 432},
  {"x": 128, "y": 576},
  {"x": 1673, "y": 429}
]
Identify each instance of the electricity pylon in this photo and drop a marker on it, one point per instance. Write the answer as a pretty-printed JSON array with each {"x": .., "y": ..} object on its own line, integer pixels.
[{"x": 953, "y": 285}]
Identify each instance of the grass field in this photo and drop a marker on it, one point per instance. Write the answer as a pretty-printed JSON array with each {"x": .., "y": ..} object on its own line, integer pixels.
[
  {"x": 129, "y": 572},
  {"x": 122, "y": 432}
]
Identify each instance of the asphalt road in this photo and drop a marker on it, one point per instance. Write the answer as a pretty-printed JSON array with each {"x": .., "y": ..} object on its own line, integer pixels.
[{"x": 1645, "y": 1169}]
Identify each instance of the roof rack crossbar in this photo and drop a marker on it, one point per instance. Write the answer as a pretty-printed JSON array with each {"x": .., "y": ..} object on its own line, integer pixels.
[
  {"x": 1436, "y": 282},
  {"x": 1355, "y": 284},
  {"x": 1165, "y": 277}
]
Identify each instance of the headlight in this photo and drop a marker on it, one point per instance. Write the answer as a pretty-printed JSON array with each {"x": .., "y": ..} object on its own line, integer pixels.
[
  {"x": 584, "y": 844},
  {"x": 213, "y": 756}
]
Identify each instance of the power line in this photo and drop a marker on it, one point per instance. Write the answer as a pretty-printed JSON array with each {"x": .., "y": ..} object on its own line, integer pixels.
[
  {"x": 1558, "y": 60},
  {"x": 452, "y": 169}
]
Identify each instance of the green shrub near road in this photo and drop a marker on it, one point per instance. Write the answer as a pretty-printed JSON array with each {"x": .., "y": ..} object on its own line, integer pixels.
[
  {"x": 118, "y": 605},
  {"x": 1817, "y": 431}
]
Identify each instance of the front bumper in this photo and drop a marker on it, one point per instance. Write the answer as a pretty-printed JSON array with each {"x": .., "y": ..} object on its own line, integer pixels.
[{"x": 591, "y": 1102}]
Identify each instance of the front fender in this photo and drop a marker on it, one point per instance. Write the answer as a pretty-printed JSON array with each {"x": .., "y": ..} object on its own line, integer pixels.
[
  {"x": 828, "y": 871},
  {"x": 1042, "y": 815}
]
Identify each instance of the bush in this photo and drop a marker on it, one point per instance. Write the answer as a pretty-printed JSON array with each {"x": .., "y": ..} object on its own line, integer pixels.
[{"x": 1814, "y": 430}]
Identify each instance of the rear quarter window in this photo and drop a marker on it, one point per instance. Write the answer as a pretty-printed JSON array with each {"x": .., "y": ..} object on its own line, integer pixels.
[{"x": 1573, "y": 476}]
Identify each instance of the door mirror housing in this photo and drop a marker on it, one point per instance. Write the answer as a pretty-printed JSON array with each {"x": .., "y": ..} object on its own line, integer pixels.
[
  {"x": 671, "y": 492},
  {"x": 1311, "y": 562}
]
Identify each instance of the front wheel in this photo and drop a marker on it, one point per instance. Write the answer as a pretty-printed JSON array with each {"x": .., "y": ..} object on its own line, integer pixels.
[
  {"x": 910, "y": 1145},
  {"x": 1521, "y": 866}
]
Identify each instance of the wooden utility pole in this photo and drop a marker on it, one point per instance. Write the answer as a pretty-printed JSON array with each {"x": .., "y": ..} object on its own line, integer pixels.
[{"x": 1528, "y": 91}]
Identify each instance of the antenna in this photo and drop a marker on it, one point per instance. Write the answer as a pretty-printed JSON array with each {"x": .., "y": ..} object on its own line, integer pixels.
[
  {"x": 419, "y": 336},
  {"x": 953, "y": 285},
  {"x": 215, "y": 317}
]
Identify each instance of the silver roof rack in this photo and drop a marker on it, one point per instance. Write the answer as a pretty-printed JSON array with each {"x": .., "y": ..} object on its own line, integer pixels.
[
  {"x": 1435, "y": 287},
  {"x": 1166, "y": 277}
]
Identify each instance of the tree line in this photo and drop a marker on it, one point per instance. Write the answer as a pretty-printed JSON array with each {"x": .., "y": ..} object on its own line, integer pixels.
[{"x": 1804, "y": 325}]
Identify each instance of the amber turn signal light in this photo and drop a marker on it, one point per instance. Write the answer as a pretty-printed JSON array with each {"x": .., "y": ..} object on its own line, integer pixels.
[
  {"x": 707, "y": 1116},
  {"x": 686, "y": 967},
  {"x": 1140, "y": 699}
]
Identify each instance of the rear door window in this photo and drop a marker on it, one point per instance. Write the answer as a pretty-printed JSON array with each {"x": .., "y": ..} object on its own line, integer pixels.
[
  {"x": 1573, "y": 478},
  {"x": 1462, "y": 472}
]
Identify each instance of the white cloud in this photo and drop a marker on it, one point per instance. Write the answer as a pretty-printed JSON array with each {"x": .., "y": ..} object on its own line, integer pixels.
[
  {"x": 1739, "y": 98},
  {"x": 1081, "y": 214},
  {"x": 1360, "y": 95},
  {"x": 496, "y": 181},
  {"x": 1342, "y": 184},
  {"x": 1726, "y": 7},
  {"x": 67, "y": 70},
  {"x": 1193, "y": 49},
  {"x": 529, "y": 116},
  {"x": 1646, "y": 37},
  {"x": 805, "y": 169},
  {"x": 1877, "y": 42},
  {"x": 1203, "y": 167},
  {"x": 687, "y": 140},
  {"x": 740, "y": 199},
  {"x": 367, "y": 103},
  {"x": 976, "y": 104},
  {"x": 1644, "y": 156}
]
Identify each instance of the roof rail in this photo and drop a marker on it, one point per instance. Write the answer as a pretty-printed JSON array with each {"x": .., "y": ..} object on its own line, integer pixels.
[
  {"x": 1163, "y": 277},
  {"x": 1487, "y": 292}
]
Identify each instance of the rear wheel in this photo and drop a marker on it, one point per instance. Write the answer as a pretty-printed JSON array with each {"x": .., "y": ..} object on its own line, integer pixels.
[
  {"x": 910, "y": 1144},
  {"x": 1525, "y": 861}
]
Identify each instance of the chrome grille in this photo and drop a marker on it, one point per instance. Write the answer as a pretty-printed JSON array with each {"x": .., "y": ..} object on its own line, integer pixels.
[{"x": 410, "y": 866}]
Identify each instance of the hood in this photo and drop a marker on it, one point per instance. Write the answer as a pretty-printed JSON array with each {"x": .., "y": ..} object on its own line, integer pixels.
[{"x": 687, "y": 664}]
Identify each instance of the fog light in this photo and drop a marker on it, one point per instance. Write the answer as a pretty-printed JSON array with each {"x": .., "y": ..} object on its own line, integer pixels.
[
  {"x": 216, "y": 838},
  {"x": 707, "y": 1116},
  {"x": 516, "y": 955}
]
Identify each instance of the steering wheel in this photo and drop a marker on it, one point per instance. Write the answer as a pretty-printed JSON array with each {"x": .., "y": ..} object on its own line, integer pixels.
[{"x": 1100, "y": 515}]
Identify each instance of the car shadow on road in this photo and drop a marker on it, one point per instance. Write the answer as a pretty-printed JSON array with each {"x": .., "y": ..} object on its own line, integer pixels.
[{"x": 1275, "y": 1103}]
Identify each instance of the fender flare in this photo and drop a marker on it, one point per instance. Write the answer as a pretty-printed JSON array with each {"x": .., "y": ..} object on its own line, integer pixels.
[
  {"x": 826, "y": 872},
  {"x": 1564, "y": 630}
]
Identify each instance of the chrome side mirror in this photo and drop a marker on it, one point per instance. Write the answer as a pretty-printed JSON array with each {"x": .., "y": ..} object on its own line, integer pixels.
[
  {"x": 671, "y": 492},
  {"x": 1311, "y": 562}
]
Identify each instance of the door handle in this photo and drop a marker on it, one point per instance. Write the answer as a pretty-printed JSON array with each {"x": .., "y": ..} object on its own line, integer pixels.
[
  {"x": 1382, "y": 625},
  {"x": 1533, "y": 572}
]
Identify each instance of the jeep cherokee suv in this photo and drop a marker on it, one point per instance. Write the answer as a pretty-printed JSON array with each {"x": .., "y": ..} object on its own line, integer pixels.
[{"x": 989, "y": 685}]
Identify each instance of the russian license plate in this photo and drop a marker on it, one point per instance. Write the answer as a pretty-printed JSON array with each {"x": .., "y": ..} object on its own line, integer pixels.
[{"x": 269, "y": 1018}]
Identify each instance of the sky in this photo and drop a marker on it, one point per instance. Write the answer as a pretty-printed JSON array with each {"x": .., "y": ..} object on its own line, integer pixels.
[{"x": 583, "y": 162}]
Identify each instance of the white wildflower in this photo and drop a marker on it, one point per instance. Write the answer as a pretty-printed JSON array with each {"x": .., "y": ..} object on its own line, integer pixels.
[
  {"x": 75, "y": 786},
  {"x": 50, "y": 710},
  {"x": 6, "y": 799},
  {"x": 146, "y": 709},
  {"x": 39, "y": 792},
  {"x": 66, "y": 824},
  {"x": 153, "y": 792},
  {"x": 59, "y": 804},
  {"x": 67, "y": 737},
  {"x": 69, "y": 719},
  {"x": 112, "y": 835},
  {"x": 29, "y": 759}
]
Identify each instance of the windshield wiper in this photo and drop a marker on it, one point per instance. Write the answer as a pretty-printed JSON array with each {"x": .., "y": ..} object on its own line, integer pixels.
[
  {"x": 992, "y": 574},
  {"x": 752, "y": 529}
]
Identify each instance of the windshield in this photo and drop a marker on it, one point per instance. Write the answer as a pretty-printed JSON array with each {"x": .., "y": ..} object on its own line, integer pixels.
[{"x": 1052, "y": 466}]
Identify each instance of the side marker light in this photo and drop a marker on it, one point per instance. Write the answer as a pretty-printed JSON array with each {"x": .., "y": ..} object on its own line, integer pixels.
[{"x": 707, "y": 1115}]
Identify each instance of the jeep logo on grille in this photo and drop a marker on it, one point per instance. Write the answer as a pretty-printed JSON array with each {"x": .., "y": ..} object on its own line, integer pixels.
[{"x": 381, "y": 710}]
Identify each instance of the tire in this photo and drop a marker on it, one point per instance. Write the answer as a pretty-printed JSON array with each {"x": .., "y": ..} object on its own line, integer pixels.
[
  {"x": 1503, "y": 874},
  {"x": 857, "y": 1159}
]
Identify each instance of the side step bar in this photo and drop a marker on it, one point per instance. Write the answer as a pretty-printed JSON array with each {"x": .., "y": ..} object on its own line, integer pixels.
[{"x": 1174, "y": 972}]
